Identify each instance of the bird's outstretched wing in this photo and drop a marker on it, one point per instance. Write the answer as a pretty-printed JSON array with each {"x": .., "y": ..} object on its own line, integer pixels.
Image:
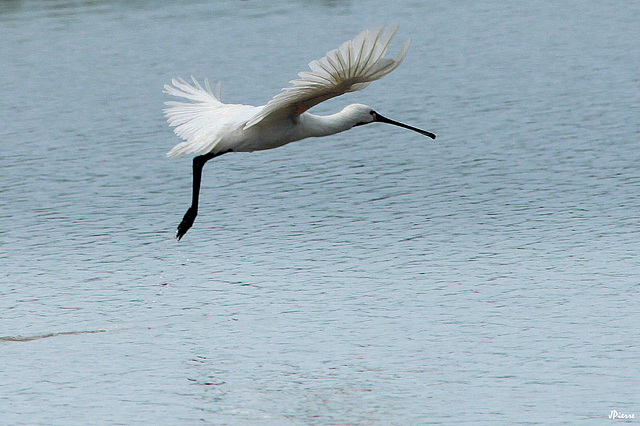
[
  {"x": 352, "y": 66},
  {"x": 204, "y": 120}
]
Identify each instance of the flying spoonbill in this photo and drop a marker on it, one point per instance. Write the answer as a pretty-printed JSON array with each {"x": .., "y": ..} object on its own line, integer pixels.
[{"x": 211, "y": 128}]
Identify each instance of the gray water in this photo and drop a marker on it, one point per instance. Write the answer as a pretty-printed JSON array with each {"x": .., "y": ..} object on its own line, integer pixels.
[{"x": 373, "y": 277}]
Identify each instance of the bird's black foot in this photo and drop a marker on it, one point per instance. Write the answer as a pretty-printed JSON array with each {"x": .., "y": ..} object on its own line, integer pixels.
[{"x": 186, "y": 223}]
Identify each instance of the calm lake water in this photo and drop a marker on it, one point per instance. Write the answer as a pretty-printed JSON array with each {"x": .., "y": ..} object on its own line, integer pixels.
[{"x": 374, "y": 277}]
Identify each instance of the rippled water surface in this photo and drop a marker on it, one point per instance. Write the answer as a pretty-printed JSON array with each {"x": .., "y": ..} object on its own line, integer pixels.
[{"x": 372, "y": 277}]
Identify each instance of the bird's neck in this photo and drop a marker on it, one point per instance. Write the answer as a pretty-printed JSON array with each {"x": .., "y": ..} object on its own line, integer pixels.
[{"x": 324, "y": 125}]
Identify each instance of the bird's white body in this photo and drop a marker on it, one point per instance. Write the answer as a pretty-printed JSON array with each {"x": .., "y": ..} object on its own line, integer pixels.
[
  {"x": 210, "y": 127},
  {"x": 267, "y": 134},
  {"x": 273, "y": 134}
]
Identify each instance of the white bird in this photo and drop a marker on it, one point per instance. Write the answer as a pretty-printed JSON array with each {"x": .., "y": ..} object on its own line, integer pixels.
[{"x": 211, "y": 128}]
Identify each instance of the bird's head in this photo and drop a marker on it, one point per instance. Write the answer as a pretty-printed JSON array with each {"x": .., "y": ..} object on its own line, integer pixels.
[{"x": 362, "y": 114}]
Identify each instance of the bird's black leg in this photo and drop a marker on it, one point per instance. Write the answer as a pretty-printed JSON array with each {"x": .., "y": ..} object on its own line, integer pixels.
[{"x": 190, "y": 215}]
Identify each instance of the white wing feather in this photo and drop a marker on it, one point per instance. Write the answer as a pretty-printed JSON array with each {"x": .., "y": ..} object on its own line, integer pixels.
[
  {"x": 203, "y": 121},
  {"x": 352, "y": 66}
]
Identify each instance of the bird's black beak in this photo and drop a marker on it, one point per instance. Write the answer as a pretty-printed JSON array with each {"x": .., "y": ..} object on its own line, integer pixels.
[{"x": 382, "y": 119}]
